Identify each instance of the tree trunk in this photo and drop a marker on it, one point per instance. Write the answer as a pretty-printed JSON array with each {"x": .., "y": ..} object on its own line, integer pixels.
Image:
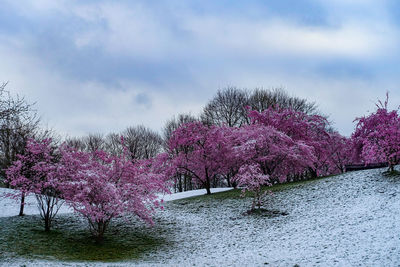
[
  {"x": 101, "y": 229},
  {"x": 21, "y": 207},
  {"x": 313, "y": 173},
  {"x": 47, "y": 219},
  {"x": 46, "y": 224},
  {"x": 234, "y": 185},
  {"x": 391, "y": 167},
  {"x": 208, "y": 190},
  {"x": 228, "y": 180},
  {"x": 180, "y": 183},
  {"x": 208, "y": 185}
]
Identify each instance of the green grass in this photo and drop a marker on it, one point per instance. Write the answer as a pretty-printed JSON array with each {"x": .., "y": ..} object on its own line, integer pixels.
[
  {"x": 391, "y": 173},
  {"x": 70, "y": 240},
  {"x": 236, "y": 193}
]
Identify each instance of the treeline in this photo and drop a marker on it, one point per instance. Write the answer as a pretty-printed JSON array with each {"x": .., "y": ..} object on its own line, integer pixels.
[
  {"x": 229, "y": 107},
  {"x": 242, "y": 138}
]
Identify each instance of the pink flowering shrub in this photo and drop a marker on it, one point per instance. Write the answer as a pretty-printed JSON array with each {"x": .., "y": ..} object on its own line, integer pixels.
[
  {"x": 252, "y": 179},
  {"x": 100, "y": 186},
  {"x": 97, "y": 185},
  {"x": 34, "y": 173}
]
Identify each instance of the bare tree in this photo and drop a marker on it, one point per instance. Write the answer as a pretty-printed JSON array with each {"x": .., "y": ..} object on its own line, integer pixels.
[
  {"x": 142, "y": 142},
  {"x": 227, "y": 107},
  {"x": 261, "y": 99},
  {"x": 76, "y": 142},
  {"x": 94, "y": 142},
  {"x": 113, "y": 144},
  {"x": 18, "y": 123}
]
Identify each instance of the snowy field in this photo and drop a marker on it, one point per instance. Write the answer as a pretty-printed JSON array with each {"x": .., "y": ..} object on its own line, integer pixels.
[
  {"x": 346, "y": 220},
  {"x": 10, "y": 207}
]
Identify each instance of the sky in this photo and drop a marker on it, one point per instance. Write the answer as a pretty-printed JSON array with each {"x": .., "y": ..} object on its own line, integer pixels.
[{"x": 101, "y": 66}]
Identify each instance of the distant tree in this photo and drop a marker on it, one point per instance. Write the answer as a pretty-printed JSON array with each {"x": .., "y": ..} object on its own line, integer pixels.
[
  {"x": 173, "y": 124},
  {"x": 18, "y": 123},
  {"x": 341, "y": 151},
  {"x": 200, "y": 150},
  {"x": 378, "y": 135},
  {"x": 76, "y": 142},
  {"x": 94, "y": 142},
  {"x": 269, "y": 156},
  {"x": 310, "y": 129},
  {"x": 34, "y": 173},
  {"x": 142, "y": 142},
  {"x": 262, "y": 99},
  {"x": 228, "y": 107},
  {"x": 113, "y": 144},
  {"x": 182, "y": 179}
]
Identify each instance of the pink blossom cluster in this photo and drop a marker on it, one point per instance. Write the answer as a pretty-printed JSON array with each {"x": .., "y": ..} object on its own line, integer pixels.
[
  {"x": 278, "y": 145},
  {"x": 97, "y": 185},
  {"x": 377, "y": 136}
]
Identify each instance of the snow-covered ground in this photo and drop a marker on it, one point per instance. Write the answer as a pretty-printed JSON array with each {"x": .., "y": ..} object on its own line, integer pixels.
[
  {"x": 10, "y": 207},
  {"x": 191, "y": 193},
  {"x": 346, "y": 220}
]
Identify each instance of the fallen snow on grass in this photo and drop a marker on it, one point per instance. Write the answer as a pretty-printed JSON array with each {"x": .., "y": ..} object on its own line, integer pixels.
[
  {"x": 192, "y": 193},
  {"x": 346, "y": 220},
  {"x": 10, "y": 207}
]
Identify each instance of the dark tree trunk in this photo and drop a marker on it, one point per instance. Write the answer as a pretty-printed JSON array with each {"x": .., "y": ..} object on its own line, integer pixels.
[
  {"x": 46, "y": 224},
  {"x": 228, "y": 180},
  {"x": 47, "y": 218},
  {"x": 21, "y": 207},
  {"x": 101, "y": 229},
  {"x": 208, "y": 190},
  {"x": 208, "y": 186},
  {"x": 313, "y": 173},
  {"x": 180, "y": 183},
  {"x": 234, "y": 185},
  {"x": 391, "y": 168}
]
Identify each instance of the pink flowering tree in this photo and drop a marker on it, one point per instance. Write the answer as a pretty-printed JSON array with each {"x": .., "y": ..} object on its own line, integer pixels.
[
  {"x": 232, "y": 160},
  {"x": 100, "y": 186},
  {"x": 33, "y": 173},
  {"x": 378, "y": 136},
  {"x": 201, "y": 151},
  {"x": 268, "y": 156},
  {"x": 340, "y": 149},
  {"x": 310, "y": 129}
]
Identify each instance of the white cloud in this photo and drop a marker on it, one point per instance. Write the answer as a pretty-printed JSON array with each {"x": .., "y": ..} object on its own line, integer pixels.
[
  {"x": 216, "y": 51},
  {"x": 75, "y": 108},
  {"x": 136, "y": 31}
]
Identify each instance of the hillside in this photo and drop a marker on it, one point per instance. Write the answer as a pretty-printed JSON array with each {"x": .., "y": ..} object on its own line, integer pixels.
[{"x": 343, "y": 220}]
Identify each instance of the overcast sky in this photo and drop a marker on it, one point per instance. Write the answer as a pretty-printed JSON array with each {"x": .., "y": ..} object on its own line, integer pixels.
[{"x": 100, "y": 66}]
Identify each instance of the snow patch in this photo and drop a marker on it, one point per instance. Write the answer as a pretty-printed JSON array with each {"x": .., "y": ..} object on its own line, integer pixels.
[{"x": 192, "y": 193}]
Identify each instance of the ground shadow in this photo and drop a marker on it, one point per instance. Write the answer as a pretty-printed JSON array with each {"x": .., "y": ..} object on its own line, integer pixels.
[{"x": 70, "y": 240}]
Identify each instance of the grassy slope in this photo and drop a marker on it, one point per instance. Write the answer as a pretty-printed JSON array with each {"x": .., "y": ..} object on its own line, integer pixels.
[
  {"x": 70, "y": 239},
  {"x": 236, "y": 193}
]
